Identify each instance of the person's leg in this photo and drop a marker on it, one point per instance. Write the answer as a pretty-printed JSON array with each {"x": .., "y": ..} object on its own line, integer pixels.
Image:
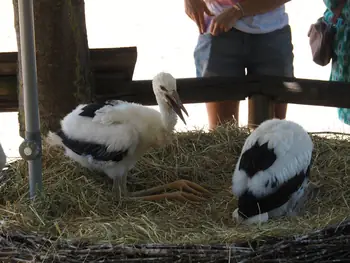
[
  {"x": 272, "y": 54},
  {"x": 222, "y": 112},
  {"x": 222, "y": 55}
]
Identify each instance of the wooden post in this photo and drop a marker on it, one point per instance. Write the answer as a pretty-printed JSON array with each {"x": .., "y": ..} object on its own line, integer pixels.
[
  {"x": 260, "y": 109},
  {"x": 62, "y": 58}
]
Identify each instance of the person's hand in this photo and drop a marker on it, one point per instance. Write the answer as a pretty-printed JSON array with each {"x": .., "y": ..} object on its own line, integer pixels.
[
  {"x": 224, "y": 21},
  {"x": 195, "y": 9}
]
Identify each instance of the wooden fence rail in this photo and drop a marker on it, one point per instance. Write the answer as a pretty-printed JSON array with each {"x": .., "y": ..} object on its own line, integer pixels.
[
  {"x": 197, "y": 90},
  {"x": 113, "y": 81},
  {"x": 120, "y": 62},
  {"x": 261, "y": 91}
]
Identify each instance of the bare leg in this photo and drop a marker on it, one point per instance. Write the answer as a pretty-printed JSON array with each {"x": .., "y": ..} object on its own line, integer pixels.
[
  {"x": 222, "y": 112},
  {"x": 194, "y": 192}
]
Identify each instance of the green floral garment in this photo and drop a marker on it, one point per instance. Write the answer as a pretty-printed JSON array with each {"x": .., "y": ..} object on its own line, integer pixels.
[{"x": 341, "y": 67}]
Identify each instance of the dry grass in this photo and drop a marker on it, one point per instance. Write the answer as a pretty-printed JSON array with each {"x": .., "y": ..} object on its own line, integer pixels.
[{"x": 80, "y": 205}]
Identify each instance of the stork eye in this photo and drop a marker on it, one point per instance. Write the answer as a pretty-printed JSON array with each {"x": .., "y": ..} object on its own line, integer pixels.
[{"x": 163, "y": 88}]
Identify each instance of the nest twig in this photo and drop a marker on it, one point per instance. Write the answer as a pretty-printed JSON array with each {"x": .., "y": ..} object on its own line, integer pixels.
[
  {"x": 331, "y": 244},
  {"x": 79, "y": 205}
]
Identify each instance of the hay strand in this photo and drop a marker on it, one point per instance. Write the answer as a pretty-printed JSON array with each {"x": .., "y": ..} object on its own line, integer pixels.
[
  {"x": 328, "y": 245},
  {"x": 79, "y": 205}
]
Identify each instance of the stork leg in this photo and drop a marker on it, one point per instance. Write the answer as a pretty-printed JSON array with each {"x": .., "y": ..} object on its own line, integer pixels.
[
  {"x": 124, "y": 187},
  {"x": 118, "y": 186},
  {"x": 194, "y": 192}
]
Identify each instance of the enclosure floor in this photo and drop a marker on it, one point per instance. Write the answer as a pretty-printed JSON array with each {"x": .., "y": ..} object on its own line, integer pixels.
[{"x": 78, "y": 204}]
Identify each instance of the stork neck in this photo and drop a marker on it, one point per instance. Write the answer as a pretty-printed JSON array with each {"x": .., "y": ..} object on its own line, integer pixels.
[{"x": 169, "y": 117}]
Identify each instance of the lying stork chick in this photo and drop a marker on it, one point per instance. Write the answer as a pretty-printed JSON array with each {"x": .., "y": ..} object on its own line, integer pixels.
[
  {"x": 112, "y": 136},
  {"x": 271, "y": 178},
  {"x": 2, "y": 158}
]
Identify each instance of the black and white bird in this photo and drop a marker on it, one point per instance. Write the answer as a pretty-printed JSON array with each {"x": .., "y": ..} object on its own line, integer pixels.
[
  {"x": 111, "y": 137},
  {"x": 2, "y": 158},
  {"x": 271, "y": 177}
]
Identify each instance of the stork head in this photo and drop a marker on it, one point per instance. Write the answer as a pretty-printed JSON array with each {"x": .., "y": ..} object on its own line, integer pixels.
[{"x": 164, "y": 88}]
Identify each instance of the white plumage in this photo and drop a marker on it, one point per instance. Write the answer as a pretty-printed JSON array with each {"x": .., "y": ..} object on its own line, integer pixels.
[
  {"x": 272, "y": 172},
  {"x": 111, "y": 137},
  {"x": 2, "y": 158}
]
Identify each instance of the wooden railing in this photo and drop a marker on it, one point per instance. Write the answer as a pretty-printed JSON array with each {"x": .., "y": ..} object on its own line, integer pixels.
[
  {"x": 113, "y": 80},
  {"x": 119, "y": 62}
]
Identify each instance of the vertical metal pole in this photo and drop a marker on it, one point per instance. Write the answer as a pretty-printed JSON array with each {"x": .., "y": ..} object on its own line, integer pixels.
[{"x": 30, "y": 149}]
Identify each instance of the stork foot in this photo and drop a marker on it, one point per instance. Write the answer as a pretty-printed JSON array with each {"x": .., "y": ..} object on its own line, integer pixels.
[
  {"x": 187, "y": 186},
  {"x": 178, "y": 195},
  {"x": 188, "y": 191}
]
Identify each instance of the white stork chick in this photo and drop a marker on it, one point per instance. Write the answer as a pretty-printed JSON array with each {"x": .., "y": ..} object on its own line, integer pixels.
[
  {"x": 2, "y": 158},
  {"x": 272, "y": 173},
  {"x": 112, "y": 136}
]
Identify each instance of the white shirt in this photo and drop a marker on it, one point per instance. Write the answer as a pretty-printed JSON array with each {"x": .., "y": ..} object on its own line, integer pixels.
[{"x": 258, "y": 24}]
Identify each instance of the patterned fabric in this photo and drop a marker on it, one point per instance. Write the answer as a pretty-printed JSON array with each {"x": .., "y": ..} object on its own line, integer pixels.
[
  {"x": 341, "y": 65},
  {"x": 258, "y": 24}
]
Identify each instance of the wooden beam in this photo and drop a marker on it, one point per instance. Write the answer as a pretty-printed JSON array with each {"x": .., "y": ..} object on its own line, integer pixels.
[
  {"x": 197, "y": 90},
  {"x": 8, "y": 94},
  {"x": 260, "y": 109},
  {"x": 191, "y": 90},
  {"x": 8, "y": 86},
  {"x": 118, "y": 61},
  {"x": 8, "y": 63},
  {"x": 114, "y": 60},
  {"x": 306, "y": 91}
]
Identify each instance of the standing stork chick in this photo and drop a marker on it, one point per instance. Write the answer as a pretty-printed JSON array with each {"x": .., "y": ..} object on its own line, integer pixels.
[
  {"x": 2, "y": 158},
  {"x": 271, "y": 178},
  {"x": 112, "y": 136}
]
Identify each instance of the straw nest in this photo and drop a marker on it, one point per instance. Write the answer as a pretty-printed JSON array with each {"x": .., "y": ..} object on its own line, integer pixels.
[{"x": 79, "y": 205}]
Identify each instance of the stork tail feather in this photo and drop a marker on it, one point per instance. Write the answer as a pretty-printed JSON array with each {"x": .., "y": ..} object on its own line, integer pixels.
[{"x": 53, "y": 139}]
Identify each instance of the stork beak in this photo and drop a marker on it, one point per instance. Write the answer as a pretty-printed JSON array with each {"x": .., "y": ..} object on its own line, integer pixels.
[{"x": 176, "y": 105}]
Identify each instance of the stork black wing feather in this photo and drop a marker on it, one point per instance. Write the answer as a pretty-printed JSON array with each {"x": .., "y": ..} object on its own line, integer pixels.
[
  {"x": 257, "y": 158},
  {"x": 90, "y": 109},
  {"x": 249, "y": 205},
  {"x": 98, "y": 151}
]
